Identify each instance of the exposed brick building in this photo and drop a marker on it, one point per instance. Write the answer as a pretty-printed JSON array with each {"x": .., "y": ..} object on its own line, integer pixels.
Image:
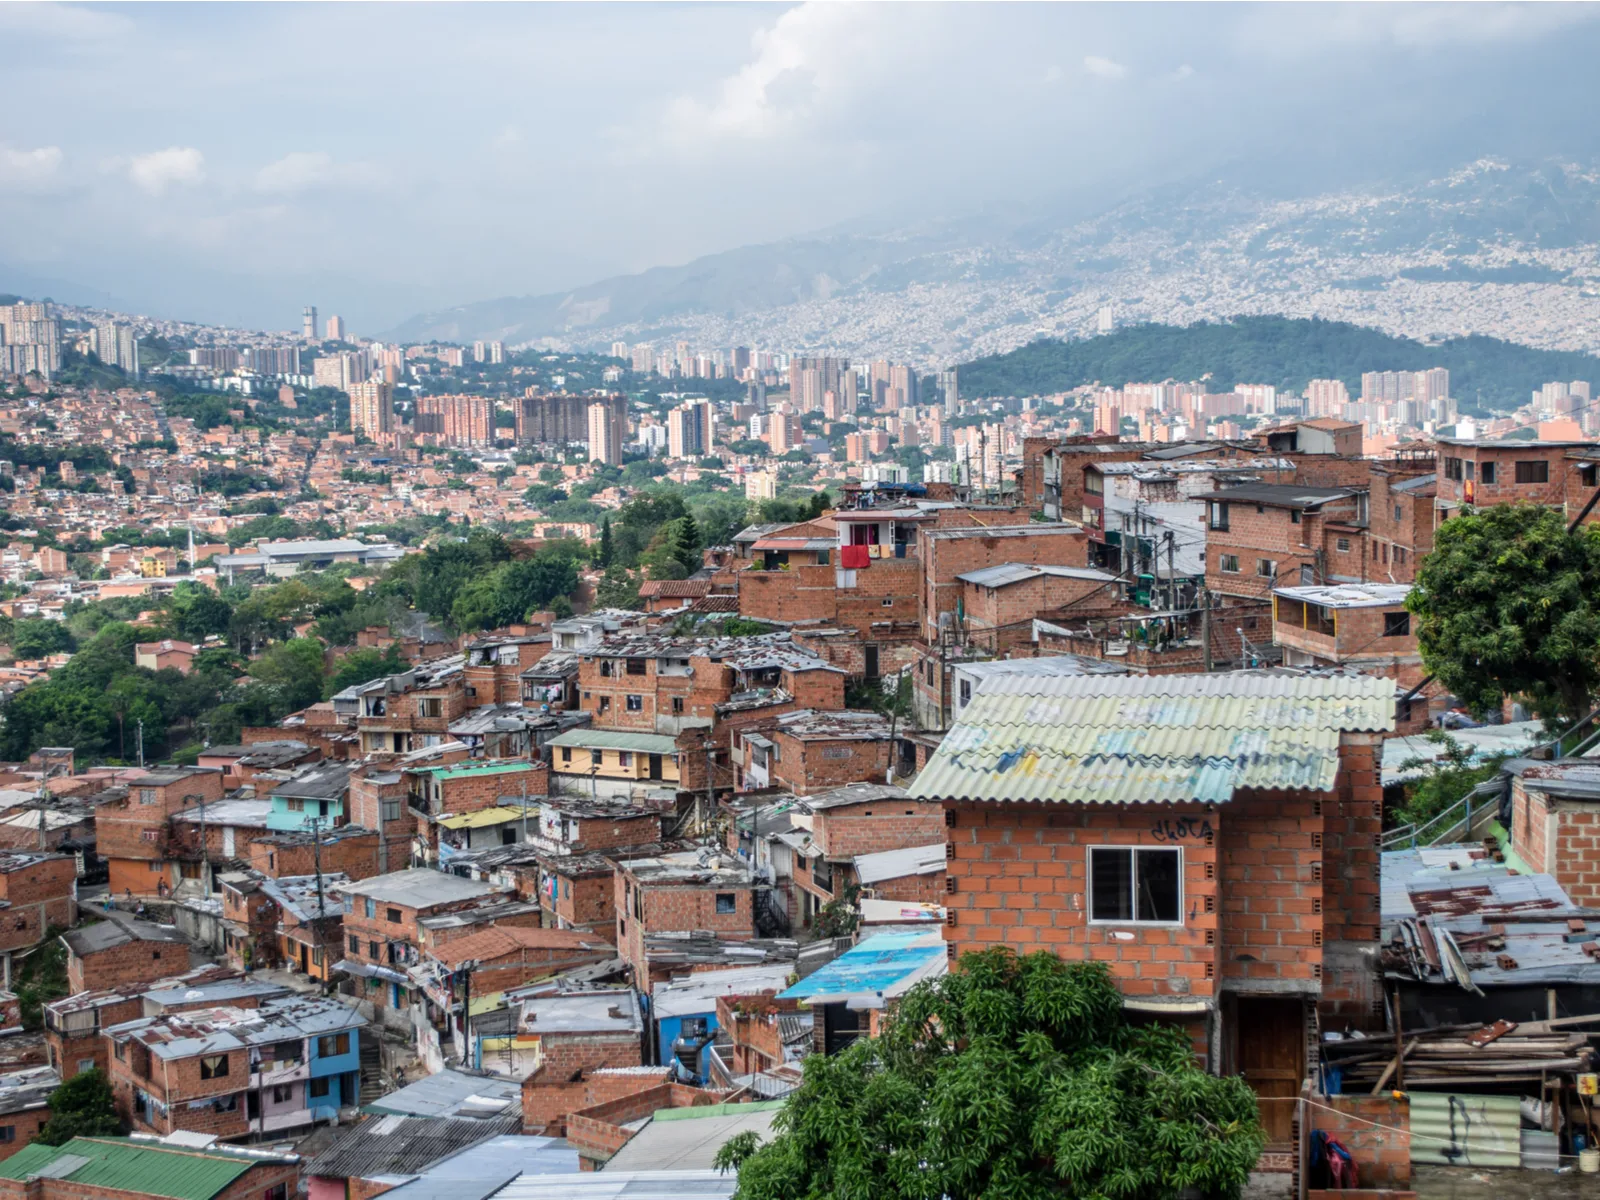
[
  {"x": 1229, "y": 889},
  {"x": 37, "y": 893},
  {"x": 1363, "y": 626},
  {"x": 1483, "y": 473},
  {"x": 114, "y": 952},
  {"x": 858, "y": 819},
  {"x": 810, "y": 751},
  {"x": 1555, "y": 824},
  {"x": 695, "y": 889},
  {"x": 122, "y": 1169},
  {"x": 133, "y": 834},
  {"x": 1261, "y": 536}
]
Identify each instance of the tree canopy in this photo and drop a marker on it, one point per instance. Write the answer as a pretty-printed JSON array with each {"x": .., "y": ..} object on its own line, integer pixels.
[
  {"x": 80, "y": 1107},
  {"x": 1508, "y": 604},
  {"x": 1277, "y": 350},
  {"x": 1014, "y": 1077}
]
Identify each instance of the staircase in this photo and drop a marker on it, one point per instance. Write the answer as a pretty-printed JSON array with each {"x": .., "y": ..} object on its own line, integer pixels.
[{"x": 372, "y": 1083}]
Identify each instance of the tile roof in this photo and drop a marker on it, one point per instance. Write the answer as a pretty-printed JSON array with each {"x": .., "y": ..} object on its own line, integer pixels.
[
  {"x": 1099, "y": 739},
  {"x": 501, "y": 940}
]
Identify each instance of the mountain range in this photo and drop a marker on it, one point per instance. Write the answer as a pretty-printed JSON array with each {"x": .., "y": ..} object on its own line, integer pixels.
[{"x": 1497, "y": 248}]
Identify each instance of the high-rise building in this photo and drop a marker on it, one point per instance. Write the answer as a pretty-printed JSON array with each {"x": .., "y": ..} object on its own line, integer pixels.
[
  {"x": 1326, "y": 398},
  {"x": 755, "y": 395},
  {"x": 812, "y": 378},
  {"x": 952, "y": 396},
  {"x": 336, "y": 332},
  {"x": 271, "y": 360},
  {"x": 551, "y": 420},
  {"x": 30, "y": 340},
  {"x": 117, "y": 345},
  {"x": 741, "y": 359},
  {"x": 608, "y": 431},
  {"x": 878, "y": 385},
  {"x": 497, "y": 353},
  {"x": 690, "y": 432},
  {"x": 371, "y": 408},
  {"x": 644, "y": 359},
  {"x": 1258, "y": 397},
  {"x": 480, "y": 352},
  {"x": 620, "y": 350},
  {"x": 455, "y": 420},
  {"x": 902, "y": 389},
  {"x": 783, "y": 430},
  {"x": 1105, "y": 320},
  {"x": 761, "y": 485},
  {"x": 308, "y": 323}
]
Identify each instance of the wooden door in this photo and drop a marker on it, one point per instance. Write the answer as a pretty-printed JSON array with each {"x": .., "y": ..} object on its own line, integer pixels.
[{"x": 1271, "y": 1057}]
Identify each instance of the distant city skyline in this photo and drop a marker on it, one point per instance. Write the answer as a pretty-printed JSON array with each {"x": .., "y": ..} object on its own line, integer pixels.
[{"x": 225, "y": 191}]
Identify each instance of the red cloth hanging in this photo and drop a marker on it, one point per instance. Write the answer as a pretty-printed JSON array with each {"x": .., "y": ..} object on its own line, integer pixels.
[{"x": 854, "y": 557}]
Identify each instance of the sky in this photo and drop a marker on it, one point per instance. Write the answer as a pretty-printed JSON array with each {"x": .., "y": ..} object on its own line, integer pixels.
[{"x": 230, "y": 163}]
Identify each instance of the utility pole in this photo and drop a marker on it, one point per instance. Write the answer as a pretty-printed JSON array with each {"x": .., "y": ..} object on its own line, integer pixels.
[
  {"x": 141, "y": 743},
  {"x": 525, "y": 806},
  {"x": 1205, "y": 627},
  {"x": 711, "y": 796},
  {"x": 1172, "y": 576},
  {"x": 205, "y": 863},
  {"x": 317, "y": 927}
]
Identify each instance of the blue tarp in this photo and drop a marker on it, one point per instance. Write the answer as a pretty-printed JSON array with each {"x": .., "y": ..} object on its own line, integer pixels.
[{"x": 886, "y": 963}]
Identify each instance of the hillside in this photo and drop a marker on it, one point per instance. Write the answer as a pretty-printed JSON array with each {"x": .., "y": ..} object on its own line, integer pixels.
[{"x": 1485, "y": 372}]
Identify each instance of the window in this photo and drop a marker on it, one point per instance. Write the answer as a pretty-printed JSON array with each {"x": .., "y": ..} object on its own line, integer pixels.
[
  {"x": 1486, "y": 472},
  {"x": 430, "y": 706},
  {"x": 149, "y": 835},
  {"x": 1228, "y": 564},
  {"x": 147, "y": 795},
  {"x": 566, "y": 754},
  {"x": 1452, "y": 468},
  {"x": 1533, "y": 472},
  {"x": 1266, "y": 567},
  {"x": 605, "y": 668},
  {"x": 333, "y": 1044},
  {"x": 887, "y": 602},
  {"x": 1219, "y": 515},
  {"x": 635, "y": 703},
  {"x": 677, "y": 704},
  {"x": 297, "y": 805},
  {"x": 624, "y": 758},
  {"x": 391, "y": 810},
  {"x": 372, "y": 951},
  {"x": 392, "y": 915},
  {"x": 1396, "y": 624},
  {"x": 122, "y": 1051},
  {"x": 355, "y": 944},
  {"x": 1399, "y": 513},
  {"x": 225, "y": 1104},
  {"x": 1342, "y": 545},
  {"x": 726, "y": 903},
  {"x": 605, "y": 704},
  {"x": 1144, "y": 886},
  {"x": 213, "y": 1066},
  {"x": 1400, "y": 555},
  {"x": 318, "y": 1088},
  {"x": 596, "y": 757},
  {"x": 1589, "y": 474},
  {"x": 278, "y": 1191},
  {"x": 282, "y": 1093},
  {"x": 1468, "y": 467},
  {"x": 966, "y": 692},
  {"x": 636, "y": 666},
  {"x": 1294, "y": 516},
  {"x": 372, "y": 909}
]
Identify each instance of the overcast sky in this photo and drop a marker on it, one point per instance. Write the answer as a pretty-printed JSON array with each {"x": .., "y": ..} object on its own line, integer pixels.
[{"x": 231, "y": 162}]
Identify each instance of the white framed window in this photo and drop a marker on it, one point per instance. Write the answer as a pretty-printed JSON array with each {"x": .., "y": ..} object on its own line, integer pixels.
[
  {"x": 1228, "y": 564},
  {"x": 1266, "y": 567},
  {"x": 1343, "y": 545},
  {"x": 1135, "y": 885}
]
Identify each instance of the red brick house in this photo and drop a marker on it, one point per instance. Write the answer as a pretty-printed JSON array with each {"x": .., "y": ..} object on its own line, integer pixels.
[
  {"x": 115, "y": 952},
  {"x": 1363, "y": 626},
  {"x": 1483, "y": 473},
  {"x": 843, "y": 823},
  {"x": 1260, "y": 536},
  {"x": 123, "y": 1169},
  {"x": 694, "y": 889},
  {"x": 133, "y": 835},
  {"x": 810, "y": 751},
  {"x": 1555, "y": 823},
  {"x": 37, "y": 892},
  {"x": 24, "y": 1106},
  {"x": 1212, "y": 838}
]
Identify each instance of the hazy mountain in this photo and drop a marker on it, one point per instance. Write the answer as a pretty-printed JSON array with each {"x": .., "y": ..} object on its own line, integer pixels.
[{"x": 1494, "y": 248}]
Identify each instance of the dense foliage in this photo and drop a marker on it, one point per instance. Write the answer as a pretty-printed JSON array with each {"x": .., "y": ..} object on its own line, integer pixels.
[
  {"x": 1013, "y": 1077},
  {"x": 1484, "y": 372},
  {"x": 1442, "y": 781},
  {"x": 1508, "y": 604},
  {"x": 81, "y": 1107}
]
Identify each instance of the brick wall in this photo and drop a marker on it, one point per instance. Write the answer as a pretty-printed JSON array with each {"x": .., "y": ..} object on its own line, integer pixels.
[
  {"x": 1375, "y": 1129},
  {"x": 559, "y": 1085},
  {"x": 598, "y": 1131},
  {"x": 358, "y": 856},
  {"x": 1261, "y": 532},
  {"x": 40, "y": 895},
  {"x": 1560, "y": 837},
  {"x": 894, "y": 823},
  {"x": 944, "y": 557},
  {"x": 1505, "y": 489},
  {"x": 1271, "y": 898},
  {"x": 137, "y": 961},
  {"x": 1352, "y": 825},
  {"x": 913, "y": 889},
  {"x": 1000, "y": 620},
  {"x": 659, "y": 908},
  {"x": 1359, "y": 640},
  {"x": 806, "y": 767},
  {"x": 20, "y": 1129}
]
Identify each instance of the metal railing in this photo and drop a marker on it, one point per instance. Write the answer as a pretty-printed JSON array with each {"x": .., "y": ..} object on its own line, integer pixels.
[{"x": 1449, "y": 825}]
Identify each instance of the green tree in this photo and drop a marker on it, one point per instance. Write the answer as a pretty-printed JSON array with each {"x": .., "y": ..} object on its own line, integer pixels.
[
  {"x": 37, "y": 638},
  {"x": 603, "y": 557},
  {"x": 292, "y": 670},
  {"x": 199, "y": 612},
  {"x": 1013, "y": 1077},
  {"x": 81, "y": 1107},
  {"x": 365, "y": 665},
  {"x": 1508, "y": 604},
  {"x": 617, "y": 588},
  {"x": 1443, "y": 781}
]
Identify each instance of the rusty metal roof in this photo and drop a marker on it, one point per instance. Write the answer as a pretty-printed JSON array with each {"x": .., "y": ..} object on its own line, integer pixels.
[{"x": 1097, "y": 739}]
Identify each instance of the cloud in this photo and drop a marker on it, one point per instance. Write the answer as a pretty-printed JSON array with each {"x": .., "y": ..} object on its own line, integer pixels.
[
  {"x": 22, "y": 170},
  {"x": 64, "y": 22},
  {"x": 1105, "y": 68},
  {"x": 1315, "y": 29},
  {"x": 300, "y": 171},
  {"x": 157, "y": 171}
]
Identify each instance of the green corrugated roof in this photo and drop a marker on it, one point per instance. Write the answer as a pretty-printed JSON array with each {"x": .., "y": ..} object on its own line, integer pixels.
[
  {"x": 134, "y": 1167},
  {"x": 1095, "y": 739},
  {"x": 615, "y": 739},
  {"x": 475, "y": 768}
]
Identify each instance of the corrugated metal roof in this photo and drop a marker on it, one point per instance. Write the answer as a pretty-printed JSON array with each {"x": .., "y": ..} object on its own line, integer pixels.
[
  {"x": 885, "y": 965},
  {"x": 127, "y": 1166},
  {"x": 488, "y": 816},
  {"x": 1133, "y": 739},
  {"x": 615, "y": 739}
]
